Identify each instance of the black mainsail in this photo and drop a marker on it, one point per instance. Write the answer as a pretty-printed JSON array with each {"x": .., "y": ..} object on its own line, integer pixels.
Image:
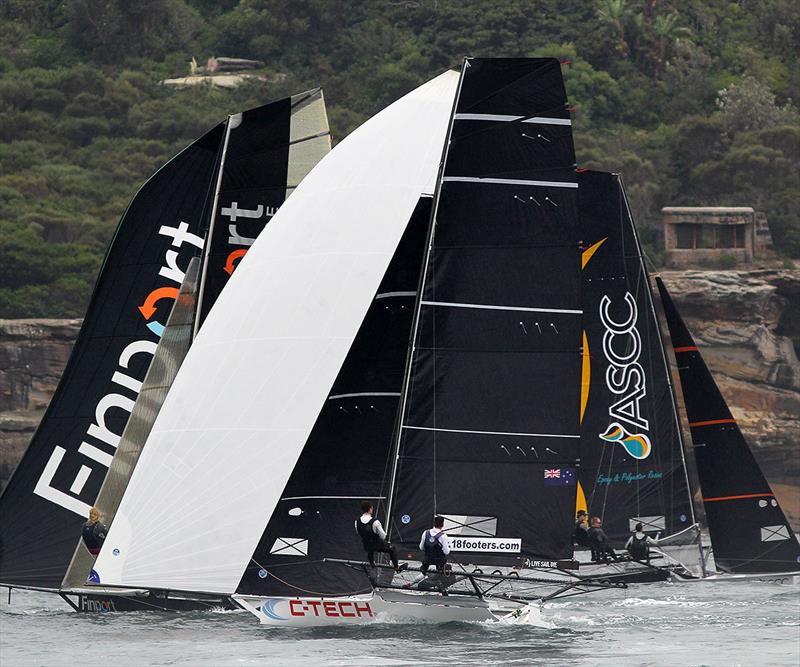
[
  {"x": 344, "y": 459},
  {"x": 632, "y": 460},
  {"x": 267, "y": 151},
  {"x": 749, "y": 531},
  {"x": 489, "y": 431}
]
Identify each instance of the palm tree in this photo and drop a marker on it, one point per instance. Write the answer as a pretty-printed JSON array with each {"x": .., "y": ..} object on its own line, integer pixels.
[
  {"x": 613, "y": 13},
  {"x": 667, "y": 32}
]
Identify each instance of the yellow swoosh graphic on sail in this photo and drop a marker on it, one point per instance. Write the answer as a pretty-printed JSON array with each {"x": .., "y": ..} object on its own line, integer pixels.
[
  {"x": 586, "y": 374},
  {"x": 586, "y": 255},
  {"x": 580, "y": 500}
]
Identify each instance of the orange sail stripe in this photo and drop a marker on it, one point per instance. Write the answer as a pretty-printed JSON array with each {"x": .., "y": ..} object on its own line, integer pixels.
[
  {"x": 687, "y": 348},
  {"x": 747, "y": 495},
  {"x": 713, "y": 421}
]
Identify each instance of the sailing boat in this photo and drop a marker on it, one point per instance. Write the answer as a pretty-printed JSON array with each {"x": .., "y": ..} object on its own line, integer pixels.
[
  {"x": 255, "y": 158},
  {"x": 750, "y": 535},
  {"x": 633, "y": 468},
  {"x": 223, "y": 458}
]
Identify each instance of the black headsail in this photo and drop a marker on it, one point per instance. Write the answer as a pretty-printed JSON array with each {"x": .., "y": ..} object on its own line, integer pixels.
[
  {"x": 749, "y": 531},
  {"x": 489, "y": 431},
  {"x": 344, "y": 460},
  {"x": 632, "y": 461},
  {"x": 60, "y": 474}
]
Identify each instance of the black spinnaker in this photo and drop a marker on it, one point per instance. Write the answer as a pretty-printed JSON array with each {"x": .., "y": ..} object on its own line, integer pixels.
[
  {"x": 632, "y": 462},
  {"x": 749, "y": 531},
  {"x": 489, "y": 433},
  {"x": 55, "y": 483},
  {"x": 265, "y": 152},
  {"x": 344, "y": 459}
]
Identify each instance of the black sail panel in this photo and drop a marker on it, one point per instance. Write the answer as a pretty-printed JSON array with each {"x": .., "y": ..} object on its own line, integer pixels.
[
  {"x": 489, "y": 433},
  {"x": 344, "y": 460},
  {"x": 749, "y": 531},
  {"x": 59, "y": 476},
  {"x": 632, "y": 461},
  {"x": 269, "y": 149}
]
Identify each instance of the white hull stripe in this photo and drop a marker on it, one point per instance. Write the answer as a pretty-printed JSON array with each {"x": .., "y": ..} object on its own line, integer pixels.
[
  {"x": 458, "y": 430},
  {"x": 334, "y": 498},
  {"x": 510, "y": 181},
  {"x": 364, "y": 393},
  {"x": 483, "y": 306},
  {"x": 389, "y": 295},
  {"x": 539, "y": 120}
]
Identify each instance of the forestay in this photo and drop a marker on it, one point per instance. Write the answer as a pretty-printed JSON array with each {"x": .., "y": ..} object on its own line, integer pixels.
[
  {"x": 489, "y": 434},
  {"x": 263, "y": 365},
  {"x": 632, "y": 460}
]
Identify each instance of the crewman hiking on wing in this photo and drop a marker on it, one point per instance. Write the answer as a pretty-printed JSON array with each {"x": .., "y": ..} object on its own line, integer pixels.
[
  {"x": 435, "y": 545},
  {"x": 581, "y": 534},
  {"x": 598, "y": 541},
  {"x": 373, "y": 537},
  {"x": 94, "y": 532},
  {"x": 638, "y": 545}
]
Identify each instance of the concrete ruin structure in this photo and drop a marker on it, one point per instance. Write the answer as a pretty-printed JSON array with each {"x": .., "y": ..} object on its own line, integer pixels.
[{"x": 697, "y": 235}]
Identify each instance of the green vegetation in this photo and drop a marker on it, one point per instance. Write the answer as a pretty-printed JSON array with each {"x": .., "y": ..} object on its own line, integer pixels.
[{"x": 691, "y": 101}]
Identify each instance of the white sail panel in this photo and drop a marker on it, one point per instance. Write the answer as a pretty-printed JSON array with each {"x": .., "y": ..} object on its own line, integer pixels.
[{"x": 262, "y": 366}]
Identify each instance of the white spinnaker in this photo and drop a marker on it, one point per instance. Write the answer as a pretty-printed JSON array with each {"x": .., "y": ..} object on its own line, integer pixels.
[{"x": 251, "y": 387}]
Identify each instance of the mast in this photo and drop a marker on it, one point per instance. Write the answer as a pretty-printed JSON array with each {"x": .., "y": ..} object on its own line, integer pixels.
[
  {"x": 632, "y": 460},
  {"x": 210, "y": 234},
  {"x": 418, "y": 301},
  {"x": 660, "y": 339}
]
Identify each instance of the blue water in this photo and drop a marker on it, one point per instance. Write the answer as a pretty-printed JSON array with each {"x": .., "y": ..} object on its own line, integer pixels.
[{"x": 707, "y": 623}]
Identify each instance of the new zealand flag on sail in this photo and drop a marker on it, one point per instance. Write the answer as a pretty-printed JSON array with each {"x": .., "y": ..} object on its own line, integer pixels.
[{"x": 559, "y": 476}]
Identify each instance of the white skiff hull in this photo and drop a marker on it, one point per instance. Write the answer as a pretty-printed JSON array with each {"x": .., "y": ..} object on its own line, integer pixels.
[{"x": 385, "y": 606}]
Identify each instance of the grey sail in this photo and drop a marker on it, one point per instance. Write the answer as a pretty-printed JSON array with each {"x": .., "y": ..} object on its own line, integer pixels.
[{"x": 169, "y": 355}]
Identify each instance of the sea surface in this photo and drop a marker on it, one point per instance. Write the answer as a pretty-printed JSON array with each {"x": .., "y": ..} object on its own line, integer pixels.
[{"x": 705, "y": 623}]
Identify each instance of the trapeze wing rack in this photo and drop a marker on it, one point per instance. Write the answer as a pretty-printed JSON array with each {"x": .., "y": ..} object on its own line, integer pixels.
[{"x": 478, "y": 574}]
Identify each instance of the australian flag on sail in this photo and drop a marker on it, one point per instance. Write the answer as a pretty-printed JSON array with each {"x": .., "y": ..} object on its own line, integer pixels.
[{"x": 559, "y": 476}]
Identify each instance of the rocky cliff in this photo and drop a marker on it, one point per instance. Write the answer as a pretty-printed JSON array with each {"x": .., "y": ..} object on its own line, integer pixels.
[{"x": 747, "y": 322}]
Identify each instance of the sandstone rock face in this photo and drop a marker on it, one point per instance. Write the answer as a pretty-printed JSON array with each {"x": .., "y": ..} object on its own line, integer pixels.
[
  {"x": 746, "y": 322},
  {"x": 747, "y": 325},
  {"x": 33, "y": 354}
]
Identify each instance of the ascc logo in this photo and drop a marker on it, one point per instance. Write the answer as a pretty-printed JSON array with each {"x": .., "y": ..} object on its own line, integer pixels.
[{"x": 625, "y": 377}]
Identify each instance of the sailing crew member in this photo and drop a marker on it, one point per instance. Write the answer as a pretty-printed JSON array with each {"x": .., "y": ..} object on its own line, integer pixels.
[
  {"x": 435, "y": 545},
  {"x": 638, "y": 545},
  {"x": 598, "y": 541},
  {"x": 373, "y": 537},
  {"x": 581, "y": 534},
  {"x": 94, "y": 532}
]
